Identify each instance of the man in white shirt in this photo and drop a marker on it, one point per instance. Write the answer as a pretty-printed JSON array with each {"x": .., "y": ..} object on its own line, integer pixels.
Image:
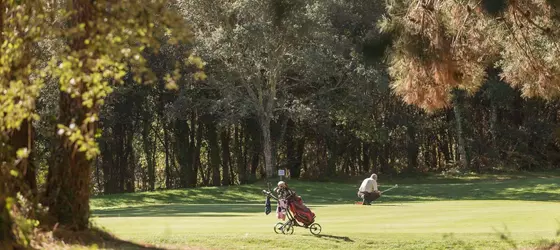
[{"x": 368, "y": 190}]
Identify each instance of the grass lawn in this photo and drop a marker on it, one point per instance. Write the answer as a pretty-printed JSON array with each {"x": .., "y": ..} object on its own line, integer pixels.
[{"x": 423, "y": 213}]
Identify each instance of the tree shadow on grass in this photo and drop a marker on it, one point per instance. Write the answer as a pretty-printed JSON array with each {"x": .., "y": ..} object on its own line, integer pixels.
[
  {"x": 183, "y": 210},
  {"x": 530, "y": 188},
  {"x": 100, "y": 238},
  {"x": 533, "y": 189},
  {"x": 333, "y": 237},
  {"x": 203, "y": 195}
]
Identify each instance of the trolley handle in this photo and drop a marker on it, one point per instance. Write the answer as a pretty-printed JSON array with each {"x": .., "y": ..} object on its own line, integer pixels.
[{"x": 269, "y": 194}]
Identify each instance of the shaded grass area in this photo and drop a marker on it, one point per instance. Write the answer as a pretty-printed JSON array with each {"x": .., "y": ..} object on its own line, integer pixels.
[
  {"x": 89, "y": 239},
  {"x": 184, "y": 210},
  {"x": 529, "y": 186}
]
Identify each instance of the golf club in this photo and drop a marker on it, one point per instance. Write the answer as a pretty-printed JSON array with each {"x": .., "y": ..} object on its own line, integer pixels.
[{"x": 396, "y": 186}]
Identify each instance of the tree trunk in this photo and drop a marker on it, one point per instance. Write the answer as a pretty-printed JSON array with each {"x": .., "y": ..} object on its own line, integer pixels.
[
  {"x": 68, "y": 186},
  {"x": 106, "y": 165},
  {"x": 412, "y": 148},
  {"x": 365, "y": 157},
  {"x": 449, "y": 137},
  {"x": 458, "y": 111},
  {"x": 10, "y": 185},
  {"x": 443, "y": 145},
  {"x": 224, "y": 137},
  {"x": 434, "y": 155},
  {"x": 173, "y": 170},
  {"x": 182, "y": 147},
  {"x": 212, "y": 136},
  {"x": 23, "y": 138},
  {"x": 121, "y": 155},
  {"x": 517, "y": 116},
  {"x": 494, "y": 122},
  {"x": 240, "y": 156},
  {"x": 267, "y": 147},
  {"x": 495, "y": 148},
  {"x": 384, "y": 159},
  {"x": 295, "y": 172},
  {"x": 255, "y": 160},
  {"x": 149, "y": 148},
  {"x": 291, "y": 149},
  {"x": 332, "y": 157},
  {"x": 373, "y": 154},
  {"x": 196, "y": 143},
  {"x": 355, "y": 159},
  {"x": 254, "y": 135},
  {"x": 168, "y": 180},
  {"x": 231, "y": 173},
  {"x": 98, "y": 173},
  {"x": 277, "y": 137},
  {"x": 130, "y": 165},
  {"x": 426, "y": 151},
  {"x": 322, "y": 156}
]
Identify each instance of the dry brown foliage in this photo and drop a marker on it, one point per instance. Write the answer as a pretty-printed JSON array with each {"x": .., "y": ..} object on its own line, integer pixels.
[{"x": 446, "y": 44}]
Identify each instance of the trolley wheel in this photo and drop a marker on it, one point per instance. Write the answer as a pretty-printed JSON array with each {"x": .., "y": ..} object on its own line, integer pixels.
[
  {"x": 278, "y": 227},
  {"x": 288, "y": 228},
  {"x": 315, "y": 229}
]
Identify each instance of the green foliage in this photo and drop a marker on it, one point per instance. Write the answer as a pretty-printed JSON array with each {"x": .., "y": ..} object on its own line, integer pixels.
[
  {"x": 22, "y": 25},
  {"x": 103, "y": 49},
  {"x": 22, "y": 213},
  {"x": 20, "y": 82}
]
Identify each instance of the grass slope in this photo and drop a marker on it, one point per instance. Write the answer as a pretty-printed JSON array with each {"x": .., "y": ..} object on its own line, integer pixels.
[{"x": 426, "y": 213}]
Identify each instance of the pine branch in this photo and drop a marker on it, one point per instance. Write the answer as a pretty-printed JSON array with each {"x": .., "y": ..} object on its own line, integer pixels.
[{"x": 519, "y": 44}]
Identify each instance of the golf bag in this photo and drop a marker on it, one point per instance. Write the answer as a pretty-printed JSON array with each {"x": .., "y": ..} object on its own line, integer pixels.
[{"x": 301, "y": 212}]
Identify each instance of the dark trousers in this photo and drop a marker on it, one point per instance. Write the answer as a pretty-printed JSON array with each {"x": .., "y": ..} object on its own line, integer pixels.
[{"x": 369, "y": 197}]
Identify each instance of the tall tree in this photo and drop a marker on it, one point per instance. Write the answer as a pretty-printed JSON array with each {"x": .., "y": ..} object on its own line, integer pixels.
[
  {"x": 103, "y": 43},
  {"x": 265, "y": 49},
  {"x": 458, "y": 99}
]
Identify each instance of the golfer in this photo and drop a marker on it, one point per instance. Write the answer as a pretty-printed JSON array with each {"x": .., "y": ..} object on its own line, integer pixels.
[
  {"x": 284, "y": 192},
  {"x": 368, "y": 190}
]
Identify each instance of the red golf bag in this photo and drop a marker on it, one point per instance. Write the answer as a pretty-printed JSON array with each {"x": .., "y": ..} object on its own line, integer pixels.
[{"x": 301, "y": 213}]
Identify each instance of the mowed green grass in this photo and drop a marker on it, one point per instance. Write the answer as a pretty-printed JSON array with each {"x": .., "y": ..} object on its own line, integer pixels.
[{"x": 423, "y": 213}]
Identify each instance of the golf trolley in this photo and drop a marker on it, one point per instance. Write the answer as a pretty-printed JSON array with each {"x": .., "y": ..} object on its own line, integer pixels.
[{"x": 288, "y": 226}]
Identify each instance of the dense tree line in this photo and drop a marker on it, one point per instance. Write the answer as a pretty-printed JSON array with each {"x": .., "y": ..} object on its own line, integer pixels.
[
  {"x": 326, "y": 89},
  {"x": 336, "y": 112},
  {"x": 498, "y": 130}
]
